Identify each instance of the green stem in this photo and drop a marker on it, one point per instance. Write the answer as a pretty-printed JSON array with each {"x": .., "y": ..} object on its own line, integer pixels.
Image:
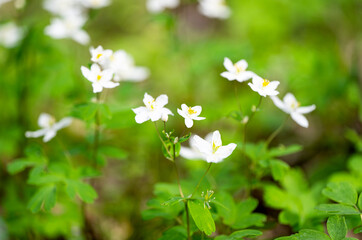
[
  {"x": 198, "y": 185},
  {"x": 275, "y": 133},
  {"x": 66, "y": 153},
  {"x": 237, "y": 99},
  {"x": 96, "y": 132},
  {"x": 177, "y": 174},
  {"x": 187, "y": 221}
]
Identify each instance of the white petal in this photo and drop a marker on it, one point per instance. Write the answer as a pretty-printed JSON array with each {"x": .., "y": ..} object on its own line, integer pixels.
[
  {"x": 277, "y": 102},
  {"x": 228, "y": 64},
  {"x": 97, "y": 87},
  {"x": 44, "y": 120},
  {"x": 188, "y": 122},
  {"x": 189, "y": 153},
  {"x": 225, "y": 151},
  {"x": 202, "y": 145},
  {"x": 142, "y": 117},
  {"x": 109, "y": 84},
  {"x": 212, "y": 158},
  {"x": 81, "y": 37},
  {"x": 244, "y": 76},
  {"x": 198, "y": 118},
  {"x": 300, "y": 119},
  {"x": 181, "y": 113},
  {"x": 147, "y": 98},
  {"x": 208, "y": 137},
  {"x": 242, "y": 64},
  {"x": 230, "y": 76},
  {"x": 139, "y": 110},
  {"x": 107, "y": 75},
  {"x": 306, "y": 109},
  {"x": 155, "y": 115},
  {"x": 49, "y": 135},
  {"x": 166, "y": 111},
  {"x": 162, "y": 100},
  {"x": 289, "y": 99},
  {"x": 216, "y": 138},
  {"x": 257, "y": 81},
  {"x": 65, "y": 122},
  {"x": 184, "y": 107},
  {"x": 86, "y": 72},
  {"x": 197, "y": 109},
  {"x": 273, "y": 85},
  {"x": 35, "y": 134}
]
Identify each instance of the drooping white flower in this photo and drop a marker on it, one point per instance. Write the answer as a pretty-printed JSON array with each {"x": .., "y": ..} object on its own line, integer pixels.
[
  {"x": 291, "y": 106},
  {"x": 192, "y": 152},
  {"x": 95, "y": 3},
  {"x": 214, "y": 151},
  {"x": 157, "y": 6},
  {"x": 154, "y": 109},
  {"x": 49, "y": 127},
  {"x": 69, "y": 26},
  {"x": 236, "y": 71},
  {"x": 100, "y": 55},
  {"x": 100, "y": 79},
  {"x": 10, "y": 34},
  {"x": 123, "y": 67},
  {"x": 264, "y": 87},
  {"x": 214, "y": 9},
  {"x": 190, "y": 114}
]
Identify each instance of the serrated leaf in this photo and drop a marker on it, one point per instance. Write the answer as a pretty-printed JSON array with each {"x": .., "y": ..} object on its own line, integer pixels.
[
  {"x": 201, "y": 216},
  {"x": 174, "y": 233},
  {"x": 337, "y": 227},
  {"x": 45, "y": 196},
  {"x": 339, "y": 209},
  {"x": 342, "y": 192},
  {"x": 105, "y": 111},
  {"x": 254, "y": 219},
  {"x": 172, "y": 201}
]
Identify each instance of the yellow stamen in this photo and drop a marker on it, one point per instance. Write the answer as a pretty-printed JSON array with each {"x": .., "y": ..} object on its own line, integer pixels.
[
  {"x": 191, "y": 111},
  {"x": 214, "y": 147},
  {"x": 151, "y": 104},
  {"x": 266, "y": 82},
  {"x": 99, "y": 55},
  {"x": 239, "y": 69},
  {"x": 99, "y": 77}
]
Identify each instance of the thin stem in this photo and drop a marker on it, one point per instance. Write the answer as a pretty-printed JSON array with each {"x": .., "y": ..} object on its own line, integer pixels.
[
  {"x": 163, "y": 142},
  {"x": 187, "y": 221},
  {"x": 96, "y": 132},
  {"x": 198, "y": 185},
  {"x": 177, "y": 175},
  {"x": 237, "y": 99},
  {"x": 276, "y": 132},
  {"x": 66, "y": 153}
]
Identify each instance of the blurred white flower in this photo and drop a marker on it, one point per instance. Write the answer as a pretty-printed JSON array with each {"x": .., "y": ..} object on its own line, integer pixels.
[
  {"x": 264, "y": 87},
  {"x": 291, "y": 106},
  {"x": 192, "y": 152},
  {"x": 63, "y": 7},
  {"x": 95, "y": 3},
  {"x": 190, "y": 114},
  {"x": 4, "y": 1},
  {"x": 100, "y": 55},
  {"x": 100, "y": 79},
  {"x": 214, "y": 9},
  {"x": 214, "y": 150},
  {"x": 69, "y": 26},
  {"x": 154, "y": 109},
  {"x": 123, "y": 67},
  {"x": 49, "y": 127},
  {"x": 157, "y": 6},
  {"x": 236, "y": 71},
  {"x": 10, "y": 34}
]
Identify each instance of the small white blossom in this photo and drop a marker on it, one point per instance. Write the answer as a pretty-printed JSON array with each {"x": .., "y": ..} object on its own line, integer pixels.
[
  {"x": 49, "y": 127},
  {"x": 157, "y": 6},
  {"x": 100, "y": 55},
  {"x": 214, "y": 9},
  {"x": 10, "y": 34},
  {"x": 154, "y": 109},
  {"x": 291, "y": 106},
  {"x": 4, "y": 1},
  {"x": 63, "y": 7},
  {"x": 214, "y": 151},
  {"x": 264, "y": 87},
  {"x": 95, "y": 3},
  {"x": 100, "y": 79},
  {"x": 69, "y": 26},
  {"x": 123, "y": 66},
  {"x": 237, "y": 71},
  {"x": 192, "y": 152},
  {"x": 190, "y": 114}
]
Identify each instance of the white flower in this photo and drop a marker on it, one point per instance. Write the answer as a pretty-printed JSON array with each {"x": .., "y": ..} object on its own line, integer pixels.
[
  {"x": 63, "y": 7},
  {"x": 190, "y": 114},
  {"x": 4, "y": 1},
  {"x": 100, "y": 55},
  {"x": 69, "y": 26},
  {"x": 264, "y": 87},
  {"x": 122, "y": 64},
  {"x": 291, "y": 106},
  {"x": 214, "y": 9},
  {"x": 154, "y": 109},
  {"x": 49, "y": 127},
  {"x": 10, "y": 34},
  {"x": 193, "y": 152},
  {"x": 214, "y": 150},
  {"x": 236, "y": 71},
  {"x": 100, "y": 79},
  {"x": 95, "y": 3},
  {"x": 157, "y": 6}
]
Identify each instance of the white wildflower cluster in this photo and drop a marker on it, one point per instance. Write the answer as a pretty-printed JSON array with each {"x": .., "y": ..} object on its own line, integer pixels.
[
  {"x": 265, "y": 88},
  {"x": 10, "y": 34},
  {"x": 209, "y": 8},
  {"x": 70, "y": 17},
  {"x": 110, "y": 67}
]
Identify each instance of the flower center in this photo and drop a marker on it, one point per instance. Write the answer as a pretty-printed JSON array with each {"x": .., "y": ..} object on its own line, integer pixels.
[
  {"x": 152, "y": 104},
  {"x": 99, "y": 77},
  {"x": 214, "y": 147},
  {"x": 99, "y": 55},
  {"x": 51, "y": 121},
  {"x": 191, "y": 111},
  {"x": 239, "y": 69},
  {"x": 266, "y": 82},
  {"x": 295, "y": 105}
]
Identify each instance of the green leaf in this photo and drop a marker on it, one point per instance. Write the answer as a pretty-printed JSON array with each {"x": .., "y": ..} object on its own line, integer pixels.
[
  {"x": 85, "y": 191},
  {"x": 105, "y": 111},
  {"x": 358, "y": 230},
  {"x": 174, "y": 233},
  {"x": 244, "y": 216},
  {"x": 84, "y": 111},
  {"x": 202, "y": 217},
  {"x": 339, "y": 209},
  {"x": 45, "y": 196},
  {"x": 342, "y": 192},
  {"x": 284, "y": 150},
  {"x": 184, "y": 138},
  {"x": 19, "y": 165},
  {"x": 278, "y": 169},
  {"x": 359, "y": 203},
  {"x": 113, "y": 152},
  {"x": 337, "y": 227},
  {"x": 227, "y": 208},
  {"x": 172, "y": 201},
  {"x": 306, "y": 235},
  {"x": 245, "y": 233}
]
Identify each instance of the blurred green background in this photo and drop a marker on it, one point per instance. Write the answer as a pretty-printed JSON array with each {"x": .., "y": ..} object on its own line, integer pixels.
[{"x": 313, "y": 47}]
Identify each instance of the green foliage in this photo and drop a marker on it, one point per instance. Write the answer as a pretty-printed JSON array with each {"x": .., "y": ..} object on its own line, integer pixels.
[
  {"x": 45, "y": 198},
  {"x": 174, "y": 233},
  {"x": 201, "y": 216},
  {"x": 341, "y": 192},
  {"x": 241, "y": 234}
]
